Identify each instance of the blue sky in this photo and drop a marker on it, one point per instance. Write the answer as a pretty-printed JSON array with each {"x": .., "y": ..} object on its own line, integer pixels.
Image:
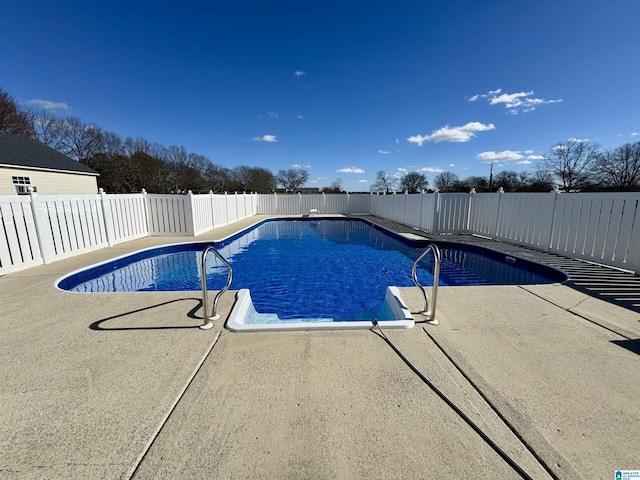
[{"x": 341, "y": 88}]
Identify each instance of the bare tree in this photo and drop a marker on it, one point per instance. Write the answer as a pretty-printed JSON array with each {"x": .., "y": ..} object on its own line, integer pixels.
[
  {"x": 292, "y": 179},
  {"x": 507, "y": 179},
  {"x": 384, "y": 182},
  {"x": 620, "y": 168},
  {"x": 335, "y": 187},
  {"x": 79, "y": 140},
  {"x": 571, "y": 162},
  {"x": 481, "y": 184},
  {"x": 48, "y": 128},
  {"x": 13, "y": 119},
  {"x": 446, "y": 181},
  {"x": 414, "y": 182}
]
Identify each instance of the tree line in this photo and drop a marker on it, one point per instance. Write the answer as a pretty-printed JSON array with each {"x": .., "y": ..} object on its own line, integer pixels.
[
  {"x": 574, "y": 165},
  {"x": 129, "y": 165}
]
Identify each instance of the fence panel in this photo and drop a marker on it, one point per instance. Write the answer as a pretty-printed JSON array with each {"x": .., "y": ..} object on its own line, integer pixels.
[
  {"x": 125, "y": 217},
  {"x": 167, "y": 214},
  {"x": 525, "y": 218},
  {"x": 267, "y": 204},
  {"x": 220, "y": 218},
  {"x": 598, "y": 227},
  {"x": 19, "y": 246},
  {"x": 453, "y": 212},
  {"x": 359, "y": 203},
  {"x": 69, "y": 225},
  {"x": 413, "y": 210},
  {"x": 202, "y": 213}
]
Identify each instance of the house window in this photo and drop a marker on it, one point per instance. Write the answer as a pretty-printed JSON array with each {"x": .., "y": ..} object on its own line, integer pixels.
[{"x": 21, "y": 185}]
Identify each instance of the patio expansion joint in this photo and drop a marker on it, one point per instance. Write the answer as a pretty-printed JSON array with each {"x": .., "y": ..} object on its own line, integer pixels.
[{"x": 165, "y": 419}]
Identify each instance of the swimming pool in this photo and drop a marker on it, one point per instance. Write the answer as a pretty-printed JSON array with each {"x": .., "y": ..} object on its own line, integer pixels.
[{"x": 336, "y": 269}]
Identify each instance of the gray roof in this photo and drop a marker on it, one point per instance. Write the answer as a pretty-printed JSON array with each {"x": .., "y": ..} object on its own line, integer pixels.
[{"x": 26, "y": 152}]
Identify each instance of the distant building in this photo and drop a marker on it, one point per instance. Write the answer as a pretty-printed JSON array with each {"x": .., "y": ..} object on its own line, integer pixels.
[{"x": 25, "y": 162}]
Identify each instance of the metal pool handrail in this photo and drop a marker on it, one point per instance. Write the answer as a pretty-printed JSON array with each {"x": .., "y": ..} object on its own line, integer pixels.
[
  {"x": 431, "y": 314},
  {"x": 203, "y": 278}
]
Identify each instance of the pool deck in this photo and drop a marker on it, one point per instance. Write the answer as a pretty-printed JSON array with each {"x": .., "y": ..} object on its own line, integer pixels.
[{"x": 118, "y": 386}]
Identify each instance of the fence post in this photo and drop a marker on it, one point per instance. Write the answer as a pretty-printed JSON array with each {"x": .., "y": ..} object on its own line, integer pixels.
[
  {"x": 404, "y": 217},
  {"x": 436, "y": 212},
  {"x": 189, "y": 212},
  {"x": 494, "y": 229},
  {"x": 547, "y": 244},
  {"x": 213, "y": 210},
  {"x": 471, "y": 195},
  {"x": 107, "y": 215},
  {"x": 147, "y": 211},
  {"x": 43, "y": 227}
]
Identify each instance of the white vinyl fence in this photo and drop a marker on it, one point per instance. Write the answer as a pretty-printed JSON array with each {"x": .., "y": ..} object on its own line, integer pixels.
[
  {"x": 297, "y": 204},
  {"x": 599, "y": 227},
  {"x": 37, "y": 229}
]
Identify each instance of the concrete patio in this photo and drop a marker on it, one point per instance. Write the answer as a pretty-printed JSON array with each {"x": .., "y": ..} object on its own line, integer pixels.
[{"x": 124, "y": 385}]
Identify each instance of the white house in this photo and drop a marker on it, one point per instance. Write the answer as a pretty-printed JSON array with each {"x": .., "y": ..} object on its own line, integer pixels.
[{"x": 25, "y": 162}]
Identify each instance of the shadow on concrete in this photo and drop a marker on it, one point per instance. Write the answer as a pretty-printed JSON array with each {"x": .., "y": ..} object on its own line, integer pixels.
[
  {"x": 631, "y": 345},
  {"x": 615, "y": 298},
  {"x": 97, "y": 325}
]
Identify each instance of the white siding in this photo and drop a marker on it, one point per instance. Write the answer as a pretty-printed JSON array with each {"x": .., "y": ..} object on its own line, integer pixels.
[{"x": 49, "y": 183}]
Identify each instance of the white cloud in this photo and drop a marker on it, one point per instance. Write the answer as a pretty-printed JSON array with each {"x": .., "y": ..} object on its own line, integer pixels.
[
  {"x": 509, "y": 156},
  {"x": 513, "y": 102},
  {"x": 48, "y": 105},
  {"x": 299, "y": 73},
  {"x": 431, "y": 170},
  {"x": 350, "y": 170},
  {"x": 505, "y": 155},
  {"x": 299, "y": 116},
  {"x": 272, "y": 115},
  {"x": 265, "y": 138},
  {"x": 452, "y": 134},
  {"x": 296, "y": 165},
  {"x": 384, "y": 152},
  {"x": 452, "y": 164},
  {"x": 419, "y": 139},
  {"x": 397, "y": 140},
  {"x": 363, "y": 181},
  {"x": 578, "y": 140},
  {"x": 635, "y": 134}
]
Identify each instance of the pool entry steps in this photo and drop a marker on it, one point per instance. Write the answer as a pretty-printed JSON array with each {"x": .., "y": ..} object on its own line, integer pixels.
[{"x": 245, "y": 318}]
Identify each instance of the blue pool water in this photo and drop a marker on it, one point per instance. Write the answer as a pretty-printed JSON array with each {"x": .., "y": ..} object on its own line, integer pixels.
[{"x": 331, "y": 268}]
